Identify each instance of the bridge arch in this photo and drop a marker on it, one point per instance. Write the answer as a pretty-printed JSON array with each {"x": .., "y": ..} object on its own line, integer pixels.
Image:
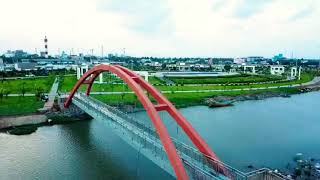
[{"x": 138, "y": 85}]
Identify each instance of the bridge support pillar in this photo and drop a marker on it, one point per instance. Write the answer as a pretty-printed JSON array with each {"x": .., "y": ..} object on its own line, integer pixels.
[{"x": 101, "y": 78}]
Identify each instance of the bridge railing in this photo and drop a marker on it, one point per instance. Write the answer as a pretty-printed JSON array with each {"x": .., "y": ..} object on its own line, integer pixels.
[
  {"x": 140, "y": 135},
  {"x": 198, "y": 164}
]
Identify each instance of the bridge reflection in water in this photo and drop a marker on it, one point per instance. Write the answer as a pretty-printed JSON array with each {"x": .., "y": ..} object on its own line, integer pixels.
[{"x": 146, "y": 140}]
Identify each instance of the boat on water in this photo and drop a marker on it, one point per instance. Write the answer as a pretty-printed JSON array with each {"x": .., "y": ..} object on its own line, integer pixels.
[{"x": 215, "y": 103}]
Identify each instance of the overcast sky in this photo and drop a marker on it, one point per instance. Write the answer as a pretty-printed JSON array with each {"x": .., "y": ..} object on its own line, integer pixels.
[{"x": 218, "y": 28}]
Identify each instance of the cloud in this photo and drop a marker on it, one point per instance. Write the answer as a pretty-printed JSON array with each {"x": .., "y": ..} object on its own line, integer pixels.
[
  {"x": 146, "y": 17},
  {"x": 163, "y": 27},
  {"x": 248, "y": 8},
  {"x": 219, "y": 4},
  {"x": 301, "y": 14}
]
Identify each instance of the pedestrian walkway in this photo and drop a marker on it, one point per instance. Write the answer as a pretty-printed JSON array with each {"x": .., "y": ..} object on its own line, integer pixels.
[{"x": 51, "y": 96}]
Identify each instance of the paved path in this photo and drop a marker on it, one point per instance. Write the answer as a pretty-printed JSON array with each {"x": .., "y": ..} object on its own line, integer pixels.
[
  {"x": 11, "y": 95},
  {"x": 52, "y": 94},
  {"x": 31, "y": 77}
]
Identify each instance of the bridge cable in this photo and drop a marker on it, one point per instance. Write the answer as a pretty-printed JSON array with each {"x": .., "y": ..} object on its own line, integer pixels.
[{"x": 137, "y": 161}]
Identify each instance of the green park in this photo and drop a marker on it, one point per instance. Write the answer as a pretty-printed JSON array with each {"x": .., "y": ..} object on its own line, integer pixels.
[{"x": 197, "y": 89}]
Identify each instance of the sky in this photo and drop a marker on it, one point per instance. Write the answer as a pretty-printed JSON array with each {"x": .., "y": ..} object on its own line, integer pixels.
[{"x": 164, "y": 28}]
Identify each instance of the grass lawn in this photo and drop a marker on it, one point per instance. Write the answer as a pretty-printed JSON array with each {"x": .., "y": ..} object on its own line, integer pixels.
[
  {"x": 69, "y": 82},
  {"x": 15, "y": 86},
  {"x": 184, "y": 99},
  {"x": 19, "y": 105},
  {"x": 155, "y": 80},
  {"x": 227, "y": 79},
  {"x": 304, "y": 78}
]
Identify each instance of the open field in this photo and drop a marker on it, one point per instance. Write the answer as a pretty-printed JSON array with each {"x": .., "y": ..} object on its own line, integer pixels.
[
  {"x": 155, "y": 80},
  {"x": 304, "y": 78},
  {"x": 30, "y": 85},
  {"x": 185, "y": 99},
  {"x": 243, "y": 78},
  {"x": 19, "y": 105},
  {"x": 28, "y": 105},
  {"x": 69, "y": 82}
]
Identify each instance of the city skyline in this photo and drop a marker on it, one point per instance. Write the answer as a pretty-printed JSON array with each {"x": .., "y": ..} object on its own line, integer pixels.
[{"x": 164, "y": 28}]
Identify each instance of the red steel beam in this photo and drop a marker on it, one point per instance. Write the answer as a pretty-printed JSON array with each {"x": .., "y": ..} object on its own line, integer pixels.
[
  {"x": 178, "y": 117},
  {"x": 169, "y": 147}
]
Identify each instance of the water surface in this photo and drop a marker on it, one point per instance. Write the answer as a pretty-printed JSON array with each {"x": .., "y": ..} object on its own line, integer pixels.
[{"x": 259, "y": 133}]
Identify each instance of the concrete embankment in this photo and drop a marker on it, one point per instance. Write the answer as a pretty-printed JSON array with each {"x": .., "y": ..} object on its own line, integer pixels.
[
  {"x": 11, "y": 121},
  {"x": 73, "y": 113}
]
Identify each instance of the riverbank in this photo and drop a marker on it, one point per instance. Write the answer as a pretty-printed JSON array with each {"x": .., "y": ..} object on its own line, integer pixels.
[
  {"x": 130, "y": 103},
  {"x": 13, "y": 121},
  {"x": 260, "y": 96},
  {"x": 222, "y": 101},
  {"x": 23, "y": 125}
]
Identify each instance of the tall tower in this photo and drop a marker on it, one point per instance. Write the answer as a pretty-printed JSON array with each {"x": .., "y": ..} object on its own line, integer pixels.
[{"x": 46, "y": 46}]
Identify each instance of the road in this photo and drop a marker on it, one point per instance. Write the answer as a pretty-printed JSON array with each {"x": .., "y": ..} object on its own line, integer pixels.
[{"x": 31, "y": 77}]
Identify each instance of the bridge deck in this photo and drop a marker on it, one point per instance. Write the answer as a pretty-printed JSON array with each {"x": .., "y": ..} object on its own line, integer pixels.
[{"x": 146, "y": 141}]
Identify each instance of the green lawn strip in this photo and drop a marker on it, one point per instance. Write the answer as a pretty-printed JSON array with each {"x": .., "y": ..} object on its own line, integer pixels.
[
  {"x": 189, "y": 99},
  {"x": 243, "y": 78},
  {"x": 30, "y": 85},
  {"x": 186, "y": 99},
  {"x": 19, "y": 105},
  {"x": 69, "y": 83},
  {"x": 155, "y": 80},
  {"x": 304, "y": 78}
]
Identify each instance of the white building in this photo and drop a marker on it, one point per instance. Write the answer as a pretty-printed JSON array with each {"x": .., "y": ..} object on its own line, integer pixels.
[
  {"x": 277, "y": 69},
  {"x": 239, "y": 60},
  {"x": 180, "y": 66},
  {"x": 25, "y": 66}
]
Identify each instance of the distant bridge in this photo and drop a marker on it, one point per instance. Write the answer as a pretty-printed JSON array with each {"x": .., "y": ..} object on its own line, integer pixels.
[{"x": 176, "y": 158}]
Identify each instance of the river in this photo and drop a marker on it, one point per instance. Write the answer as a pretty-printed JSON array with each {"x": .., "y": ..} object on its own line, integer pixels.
[{"x": 259, "y": 133}]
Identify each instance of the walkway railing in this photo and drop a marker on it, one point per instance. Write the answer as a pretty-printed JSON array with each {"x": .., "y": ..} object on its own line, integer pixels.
[{"x": 199, "y": 166}]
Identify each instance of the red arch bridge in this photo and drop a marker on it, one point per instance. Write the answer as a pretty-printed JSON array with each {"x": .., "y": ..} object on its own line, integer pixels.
[{"x": 176, "y": 158}]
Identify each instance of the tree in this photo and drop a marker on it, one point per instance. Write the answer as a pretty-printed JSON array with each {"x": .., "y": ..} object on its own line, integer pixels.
[
  {"x": 122, "y": 97},
  {"x": 1, "y": 94},
  {"x": 227, "y": 67},
  {"x": 23, "y": 89},
  {"x": 6, "y": 92},
  {"x": 163, "y": 66},
  {"x": 38, "y": 92}
]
